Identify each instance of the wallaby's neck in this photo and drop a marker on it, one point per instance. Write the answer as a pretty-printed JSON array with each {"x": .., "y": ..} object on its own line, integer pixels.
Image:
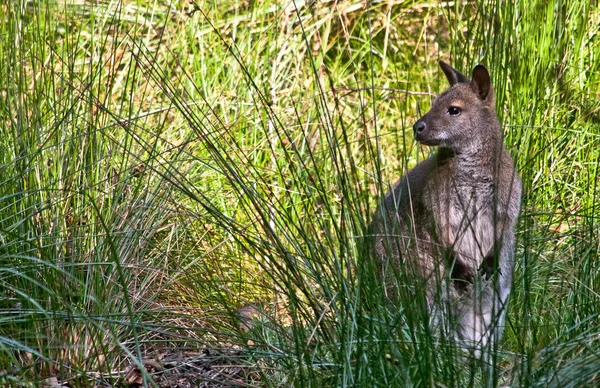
[{"x": 481, "y": 156}]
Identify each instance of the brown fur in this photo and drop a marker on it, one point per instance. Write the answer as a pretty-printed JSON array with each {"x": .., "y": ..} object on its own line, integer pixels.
[{"x": 450, "y": 221}]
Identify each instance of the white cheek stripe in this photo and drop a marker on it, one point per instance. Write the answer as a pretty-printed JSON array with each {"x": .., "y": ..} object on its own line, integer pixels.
[{"x": 443, "y": 135}]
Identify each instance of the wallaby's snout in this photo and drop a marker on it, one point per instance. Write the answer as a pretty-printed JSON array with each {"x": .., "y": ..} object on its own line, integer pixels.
[
  {"x": 420, "y": 129},
  {"x": 423, "y": 133}
]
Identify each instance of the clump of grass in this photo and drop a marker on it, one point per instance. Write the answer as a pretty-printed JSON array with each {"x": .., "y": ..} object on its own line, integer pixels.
[{"x": 165, "y": 165}]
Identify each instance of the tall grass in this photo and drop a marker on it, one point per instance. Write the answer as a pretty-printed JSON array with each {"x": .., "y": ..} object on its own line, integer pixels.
[{"x": 164, "y": 164}]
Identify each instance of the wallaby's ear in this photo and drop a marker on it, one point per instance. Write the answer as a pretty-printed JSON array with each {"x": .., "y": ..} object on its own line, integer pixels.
[
  {"x": 453, "y": 76},
  {"x": 481, "y": 83}
]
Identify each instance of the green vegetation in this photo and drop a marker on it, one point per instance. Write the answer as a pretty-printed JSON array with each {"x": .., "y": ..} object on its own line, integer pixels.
[{"x": 163, "y": 164}]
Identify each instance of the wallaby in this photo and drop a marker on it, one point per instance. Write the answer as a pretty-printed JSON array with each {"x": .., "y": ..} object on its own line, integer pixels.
[{"x": 450, "y": 221}]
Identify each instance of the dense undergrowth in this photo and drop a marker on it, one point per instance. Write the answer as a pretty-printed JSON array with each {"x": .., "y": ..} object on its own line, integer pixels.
[{"x": 165, "y": 163}]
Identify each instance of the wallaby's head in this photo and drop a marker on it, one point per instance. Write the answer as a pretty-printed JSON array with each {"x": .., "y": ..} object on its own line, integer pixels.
[{"x": 462, "y": 117}]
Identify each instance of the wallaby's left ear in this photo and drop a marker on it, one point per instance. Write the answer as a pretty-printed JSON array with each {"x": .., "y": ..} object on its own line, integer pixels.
[
  {"x": 480, "y": 82},
  {"x": 452, "y": 74}
]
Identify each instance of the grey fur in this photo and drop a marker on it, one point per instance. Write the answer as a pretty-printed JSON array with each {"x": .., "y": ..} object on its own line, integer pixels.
[{"x": 450, "y": 221}]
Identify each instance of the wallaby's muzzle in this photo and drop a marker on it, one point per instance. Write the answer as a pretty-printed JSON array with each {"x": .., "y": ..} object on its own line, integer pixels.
[{"x": 422, "y": 133}]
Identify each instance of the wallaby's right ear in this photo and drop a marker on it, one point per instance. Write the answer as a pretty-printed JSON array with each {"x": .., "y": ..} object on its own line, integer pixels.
[
  {"x": 453, "y": 76},
  {"x": 481, "y": 83}
]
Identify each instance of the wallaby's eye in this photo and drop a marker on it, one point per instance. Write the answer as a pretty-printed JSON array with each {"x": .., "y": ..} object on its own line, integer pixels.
[{"x": 454, "y": 111}]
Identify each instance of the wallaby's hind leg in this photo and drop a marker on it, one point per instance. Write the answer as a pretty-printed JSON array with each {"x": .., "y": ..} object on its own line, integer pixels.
[
  {"x": 481, "y": 322},
  {"x": 475, "y": 330}
]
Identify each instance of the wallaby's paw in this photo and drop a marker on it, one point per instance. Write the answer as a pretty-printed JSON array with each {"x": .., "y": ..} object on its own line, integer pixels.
[
  {"x": 461, "y": 275},
  {"x": 488, "y": 267}
]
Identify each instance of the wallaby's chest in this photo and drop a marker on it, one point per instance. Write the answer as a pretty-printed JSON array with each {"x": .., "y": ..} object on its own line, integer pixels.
[{"x": 462, "y": 213}]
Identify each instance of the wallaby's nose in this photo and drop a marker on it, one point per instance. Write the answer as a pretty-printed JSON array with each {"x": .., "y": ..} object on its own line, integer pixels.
[{"x": 419, "y": 126}]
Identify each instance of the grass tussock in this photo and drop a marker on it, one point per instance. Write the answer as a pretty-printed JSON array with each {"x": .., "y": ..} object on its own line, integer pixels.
[{"x": 186, "y": 189}]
